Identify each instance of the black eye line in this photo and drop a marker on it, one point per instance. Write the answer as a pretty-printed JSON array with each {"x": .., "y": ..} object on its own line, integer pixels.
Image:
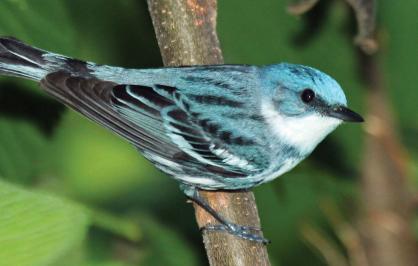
[{"x": 320, "y": 105}]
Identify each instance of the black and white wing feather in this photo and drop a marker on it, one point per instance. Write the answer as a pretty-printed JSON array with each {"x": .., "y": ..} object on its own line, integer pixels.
[{"x": 158, "y": 121}]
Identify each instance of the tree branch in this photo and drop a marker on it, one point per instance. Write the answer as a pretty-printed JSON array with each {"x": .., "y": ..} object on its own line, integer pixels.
[
  {"x": 300, "y": 7},
  {"x": 186, "y": 34},
  {"x": 365, "y": 11}
]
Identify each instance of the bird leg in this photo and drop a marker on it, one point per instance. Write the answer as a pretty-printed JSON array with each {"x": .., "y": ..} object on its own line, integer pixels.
[{"x": 225, "y": 226}]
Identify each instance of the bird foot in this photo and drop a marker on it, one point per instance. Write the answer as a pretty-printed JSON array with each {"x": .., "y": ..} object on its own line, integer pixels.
[{"x": 244, "y": 232}]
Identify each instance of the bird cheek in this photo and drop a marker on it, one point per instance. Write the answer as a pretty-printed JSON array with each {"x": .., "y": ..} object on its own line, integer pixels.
[
  {"x": 280, "y": 93},
  {"x": 289, "y": 108},
  {"x": 277, "y": 97},
  {"x": 279, "y": 105}
]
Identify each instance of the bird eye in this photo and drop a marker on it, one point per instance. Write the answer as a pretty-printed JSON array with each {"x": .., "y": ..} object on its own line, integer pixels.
[{"x": 307, "y": 95}]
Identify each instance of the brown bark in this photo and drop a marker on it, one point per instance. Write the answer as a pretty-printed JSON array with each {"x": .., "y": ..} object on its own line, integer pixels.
[
  {"x": 186, "y": 34},
  {"x": 365, "y": 11},
  {"x": 300, "y": 7}
]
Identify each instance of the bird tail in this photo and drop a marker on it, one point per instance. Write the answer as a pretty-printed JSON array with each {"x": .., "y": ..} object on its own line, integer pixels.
[{"x": 21, "y": 60}]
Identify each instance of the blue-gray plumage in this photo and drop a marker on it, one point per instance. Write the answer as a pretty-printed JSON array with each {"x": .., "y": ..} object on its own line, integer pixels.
[{"x": 210, "y": 127}]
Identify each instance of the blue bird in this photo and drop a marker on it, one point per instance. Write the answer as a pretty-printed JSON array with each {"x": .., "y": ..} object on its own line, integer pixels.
[{"x": 219, "y": 127}]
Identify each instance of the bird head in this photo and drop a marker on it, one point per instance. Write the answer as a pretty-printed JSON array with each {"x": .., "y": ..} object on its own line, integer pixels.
[{"x": 302, "y": 104}]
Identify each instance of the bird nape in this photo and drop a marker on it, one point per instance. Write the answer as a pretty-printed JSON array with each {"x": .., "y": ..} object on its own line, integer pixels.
[{"x": 226, "y": 127}]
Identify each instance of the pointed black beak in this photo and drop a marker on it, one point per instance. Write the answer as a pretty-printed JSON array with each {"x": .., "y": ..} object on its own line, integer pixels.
[{"x": 344, "y": 114}]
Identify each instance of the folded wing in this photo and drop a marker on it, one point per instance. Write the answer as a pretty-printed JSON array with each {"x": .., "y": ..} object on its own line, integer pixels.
[{"x": 158, "y": 120}]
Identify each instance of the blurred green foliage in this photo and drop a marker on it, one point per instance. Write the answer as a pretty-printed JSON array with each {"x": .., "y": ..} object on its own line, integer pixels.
[{"x": 119, "y": 210}]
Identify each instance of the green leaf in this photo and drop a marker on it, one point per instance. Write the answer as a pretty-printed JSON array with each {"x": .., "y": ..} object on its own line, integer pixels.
[
  {"x": 21, "y": 146},
  {"x": 37, "y": 229}
]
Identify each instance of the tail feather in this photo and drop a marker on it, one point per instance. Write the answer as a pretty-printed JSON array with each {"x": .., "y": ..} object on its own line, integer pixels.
[
  {"x": 21, "y": 60},
  {"x": 18, "y": 52}
]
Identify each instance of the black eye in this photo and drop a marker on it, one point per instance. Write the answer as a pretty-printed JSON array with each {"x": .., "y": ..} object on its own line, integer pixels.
[{"x": 307, "y": 95}]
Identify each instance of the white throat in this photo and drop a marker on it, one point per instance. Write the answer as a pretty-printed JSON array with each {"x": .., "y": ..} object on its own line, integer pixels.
[{"x": 302, "y": 132}]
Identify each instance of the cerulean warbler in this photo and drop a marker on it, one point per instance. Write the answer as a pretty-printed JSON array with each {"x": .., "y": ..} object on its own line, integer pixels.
[{"x": 210, "y": 127}]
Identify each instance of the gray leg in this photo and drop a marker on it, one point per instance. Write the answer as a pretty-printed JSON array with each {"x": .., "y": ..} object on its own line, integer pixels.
[{"x": 234, "y": 229}]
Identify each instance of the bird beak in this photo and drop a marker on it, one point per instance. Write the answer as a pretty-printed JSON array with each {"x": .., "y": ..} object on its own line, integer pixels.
[{"x": 344, "y": 114}]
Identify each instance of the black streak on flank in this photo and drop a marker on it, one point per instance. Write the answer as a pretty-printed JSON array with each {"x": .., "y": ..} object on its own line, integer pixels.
[
  {"x": 227, "y": 138},
  {"x": 254, "y": 117},
  {"x": 209, "y": 81},
  {"x": 215, "y": 100},
  {"x": 222, "y": 172},
  {"x": 197, "y": 79},
  {"x": 242, "y": 141},
  {"x": 212, "y": 128},
  {"x": 222, "y": 85},
  {"x": 204, "y": 123}
]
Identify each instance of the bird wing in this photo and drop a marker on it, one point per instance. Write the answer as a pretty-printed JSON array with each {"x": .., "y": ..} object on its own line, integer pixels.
[{"x": 159, "y": 121}]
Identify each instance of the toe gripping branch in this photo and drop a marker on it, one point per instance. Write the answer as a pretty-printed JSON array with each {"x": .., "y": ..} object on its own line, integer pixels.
[{"x": 244, "y": 232}]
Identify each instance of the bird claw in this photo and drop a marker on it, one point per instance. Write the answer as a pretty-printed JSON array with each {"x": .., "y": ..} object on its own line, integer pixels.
[{"x": 243, "y": 232}]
